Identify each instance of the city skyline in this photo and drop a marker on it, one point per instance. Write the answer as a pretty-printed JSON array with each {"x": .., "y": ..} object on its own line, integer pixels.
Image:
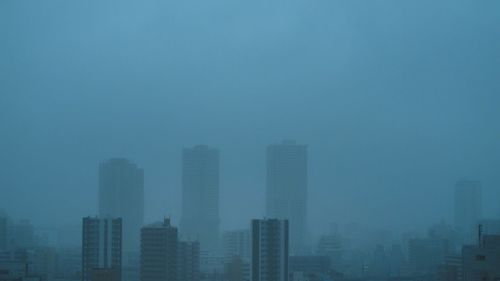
[
  {"x": 358, "y": 89},
  {"x": 249, "y": 140}
]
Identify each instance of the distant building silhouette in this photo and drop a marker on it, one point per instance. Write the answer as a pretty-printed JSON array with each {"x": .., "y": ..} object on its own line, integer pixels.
[
  {"x": 330, "y": 245},
  {"x": 269, "y": 250},
  {"x": 286, "y": 190},
  {"x": 121, "y": 194},
  {"x": 101, "y": 248},
  {"x": 309, "y": 264},
  {"x": 3, "y": 232},
  {"x": 23, "y": 235},
  {"x": 105, "y": 274},
  {"x": 200, "y": 196},
  {"x": 236, "y": 243},
  {"x": 188, "y": 263},
  {"x": 467, "y": 210},
  {"x": 426, "y": 254},
  {"x": 159, "y": 252}
]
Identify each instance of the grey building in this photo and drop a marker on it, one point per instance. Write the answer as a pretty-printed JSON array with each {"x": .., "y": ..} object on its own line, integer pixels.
[
  {"x": 426, "y": 254},
  {"x": 101, "y": 246},
  {"x": 3, "y": 232},
  {"x": 309, "y": 264},
  {"x": 331, "y": 246},
  {"x": 236, "y": 243},
  {"x": 482, "y": 262},
  {"x": 22, "y": 235},
  {"x": 200, "y": 196},
  {"x": 467, "y": 210},
  {"x": 121, "y": 194},
  {"x": 188, "y": 263},
  {"x": 286, "y": 190},
  {"x": 159, "y": 252},
  {"x": 269, "y": 246}
]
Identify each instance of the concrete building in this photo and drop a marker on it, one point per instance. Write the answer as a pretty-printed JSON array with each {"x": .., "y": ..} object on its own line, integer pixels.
[
  {"x": 467, "y": 210},
  {"x": 188, "y": 263},
  {"x": 426, "y": 254},
  {"x": 3, "y": 233},
  {"x": 15, "y": 264},
  {"x": 121, "y": 195},
  {"x": 159, "y": 252},
  {"x": 482, "y": 262},
  {"x": 269, "y": 246},
  {"x": 451, "y": 269},
  {"x": 490, "y": 227},
  {"x": 286, "y": 190},
  {"x": 101, "y": 246},
  {"x": 236, "y": 243},
  {"x": 331, "y": 246},
  {"x": 235, "y": 269},
  {"x": 309, "y": 264},
  {"x": 200, "y": 196},
  {"x": 105, "y": 274},
  {"x": 22, "y": 235}
]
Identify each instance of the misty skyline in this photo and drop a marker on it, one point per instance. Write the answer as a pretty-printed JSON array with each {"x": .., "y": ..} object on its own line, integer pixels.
[{"x": 396, "y": 101}]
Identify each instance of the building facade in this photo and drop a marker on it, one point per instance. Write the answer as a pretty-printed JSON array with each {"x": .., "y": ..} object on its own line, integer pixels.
[
  {"x": 467, "y": 210},
  {"x": 269, "y": 250},
  {"x": 481, "y": 262},
  {"x": 101, "y": 246},
  {"x": 286, "y": 190},
  {"x": 188, "y": 263},
  {"x": 121, "y": 194},
  {"x": 236, "y": 243},
  {"x": 200, "y": 196},
  {"x": 159, "y": 252}
]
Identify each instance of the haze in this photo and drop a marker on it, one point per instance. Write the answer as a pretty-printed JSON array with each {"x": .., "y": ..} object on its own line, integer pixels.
[{"x": 396, "y": 100}]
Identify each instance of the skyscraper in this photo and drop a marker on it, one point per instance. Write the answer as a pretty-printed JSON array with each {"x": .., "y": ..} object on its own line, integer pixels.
[
  {"x": 467, "y": 210},
  {"x": 286, "y": 188},
  {"x": 159, "y": 252},
  {"x": 101, "y": 247},
  {"x": 121, "y": 194},
  {"x": 200, "y": 196},
  {"x": 269, "y": 250}
]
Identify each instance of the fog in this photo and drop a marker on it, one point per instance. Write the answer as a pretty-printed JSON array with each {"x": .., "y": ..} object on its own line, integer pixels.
[{"x": 396, "y": 100}]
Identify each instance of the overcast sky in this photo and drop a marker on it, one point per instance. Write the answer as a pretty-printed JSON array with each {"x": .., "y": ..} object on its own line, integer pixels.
[{"x": 397, "y": 100}]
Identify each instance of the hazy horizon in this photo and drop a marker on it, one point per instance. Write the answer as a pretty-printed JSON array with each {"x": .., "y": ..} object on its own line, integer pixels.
[{"x": 396, "y": 100}]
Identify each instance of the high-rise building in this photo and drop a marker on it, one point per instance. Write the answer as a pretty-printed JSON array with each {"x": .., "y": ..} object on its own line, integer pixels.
[
  {"x": 200, "y": 196},
  {"x": 188, "y": 262},
  {"x": 101, "y": 246},
  {"x": 467, "y": 210},
  {"x": 269, "y": 250},
  {"x": 159, "y": 252},
  {"x": 286, "y": 186},
  {"x": 236, "y": 243},
  {"x": 121, "y": 194}
]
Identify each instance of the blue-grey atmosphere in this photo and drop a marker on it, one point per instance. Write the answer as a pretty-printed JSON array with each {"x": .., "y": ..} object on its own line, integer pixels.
[{"x": 326, "y": 115}]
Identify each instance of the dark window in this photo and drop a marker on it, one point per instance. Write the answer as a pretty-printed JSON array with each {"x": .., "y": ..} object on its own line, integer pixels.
[{"x": 480, "y": 257}]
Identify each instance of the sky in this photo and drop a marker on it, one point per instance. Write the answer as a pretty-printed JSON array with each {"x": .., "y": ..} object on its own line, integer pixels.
[{"x": 396, "y": 100}]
